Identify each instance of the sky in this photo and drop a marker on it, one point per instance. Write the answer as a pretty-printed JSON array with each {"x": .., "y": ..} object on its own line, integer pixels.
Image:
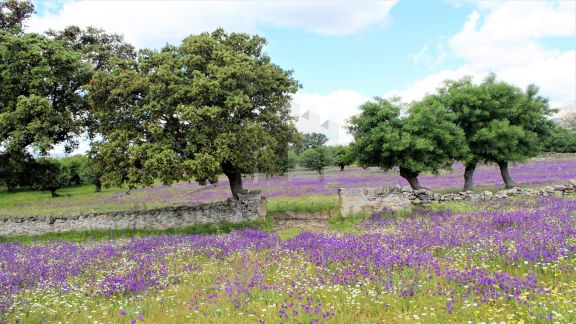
[{"x": 347, "y": 52}]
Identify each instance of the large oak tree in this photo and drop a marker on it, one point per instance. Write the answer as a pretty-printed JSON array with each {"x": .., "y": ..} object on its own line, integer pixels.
[{"x": 214, "y": 104}]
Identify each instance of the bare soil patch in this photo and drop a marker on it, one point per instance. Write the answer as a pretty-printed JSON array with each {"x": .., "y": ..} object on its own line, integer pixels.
[{"x": 317, "y": 222}]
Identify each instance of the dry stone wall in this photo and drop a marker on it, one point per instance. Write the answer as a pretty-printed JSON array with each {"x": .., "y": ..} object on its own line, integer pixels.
[
  {"x": 248, "y": 207},
  {"x": 367, "y": 201}
]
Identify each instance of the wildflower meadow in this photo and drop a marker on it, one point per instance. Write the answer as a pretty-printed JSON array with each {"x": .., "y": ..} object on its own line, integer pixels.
[
  {"x": 182, "y": 162},
  {"x": 290, "y": 189},
  {"x": 503, "y": 261}
]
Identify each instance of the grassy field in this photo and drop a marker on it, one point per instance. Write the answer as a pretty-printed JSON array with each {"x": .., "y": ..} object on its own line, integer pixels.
[
  {"x": 297, "y": 191},
  {"x": 494, "y": 262},
  {"x": 512, "y": 261},
  {"x": 104, "y": 235}
]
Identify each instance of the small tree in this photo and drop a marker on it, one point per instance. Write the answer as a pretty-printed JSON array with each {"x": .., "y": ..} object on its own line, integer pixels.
[
  {"x": 560, "y": 140},
  {"x": 46, "y": 175},
  {"x": 290, "y": 162},
  {"x": 314, "y": 140},
  {"x": 344, "y": 156},
  {"x": 502, "y": 124},
  {"x": 16, "y": 170},
  {"x": 426, "y": 140},
  {"x": 317, "y": 158},
  {"x": 73, "y": 170}
]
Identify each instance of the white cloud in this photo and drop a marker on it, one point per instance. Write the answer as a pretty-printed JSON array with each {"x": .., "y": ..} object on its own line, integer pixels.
[
  {"x": 432, "y": 55},
  {"x": 337, "y": 106},
  {"x": 419, "y": 88},
  {"x": 508, "y": 34},
  {"x": 505, "y": 38},
  {"x": 153, "y": 23}
]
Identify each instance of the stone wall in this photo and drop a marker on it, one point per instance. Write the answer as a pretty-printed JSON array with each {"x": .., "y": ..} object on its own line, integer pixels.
[
  {"x": 367, "y": 201},
  {"x": 249, "y": 207}
]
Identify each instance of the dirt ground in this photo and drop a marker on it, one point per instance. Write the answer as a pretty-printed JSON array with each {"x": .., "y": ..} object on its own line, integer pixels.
[{"x": 316, "y": 222}]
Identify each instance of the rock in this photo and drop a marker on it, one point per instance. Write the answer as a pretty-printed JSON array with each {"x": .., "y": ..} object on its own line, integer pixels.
[
  {"x": 474, "y": 198},
  {"x": 233, "y": 211}
]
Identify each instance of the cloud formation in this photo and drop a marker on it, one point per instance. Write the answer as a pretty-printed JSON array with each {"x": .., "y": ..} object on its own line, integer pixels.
[
  {"x": 507, "y": 38},
  {"x": 153, "y": 23}
]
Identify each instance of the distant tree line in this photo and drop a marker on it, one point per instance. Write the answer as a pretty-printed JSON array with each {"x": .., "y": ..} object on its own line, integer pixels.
[
  {"x": 562, "y": 137},
  {"x": 47, "y": 174},
  {"x": 309, "y": 151},
  {"x": 491, "y": 123}
]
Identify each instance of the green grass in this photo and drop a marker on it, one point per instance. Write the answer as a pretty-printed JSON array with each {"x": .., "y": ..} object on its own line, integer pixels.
[
  {"x": 360, "y": 303},
  {"x": 346, "y": 224},
  {"x": 102, "y": 235},
  {"x": 454, "y": 206},
  {"x": 350, "y": 224},
  {"x": 72, "y": 200},
  {"x": 462, "y": 206},
  {"x": 80, "y": 199},
  {"x": 308, "y": 204},
  {"x": 289, "y": 233}
]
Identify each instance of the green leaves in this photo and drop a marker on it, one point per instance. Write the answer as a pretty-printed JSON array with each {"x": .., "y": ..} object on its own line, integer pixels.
[
  {"x": 314, "y": 140},
  {"x": 425, "y": 140},
  {"x": 501, "y": 122},
  {"x": 41, "y": 99},
  {"x": 317, "y": 158},
  {"x": 216, "y": 99},
  {"x": 13, "y": 13}
]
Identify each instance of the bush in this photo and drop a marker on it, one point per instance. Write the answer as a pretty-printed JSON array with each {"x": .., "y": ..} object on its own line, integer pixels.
[
  {"x": 73, "y": 170},
  {"x": 560, "y": 140},
  {"x": 317, "y": 158},
  {"x": 46, "y": 175}
]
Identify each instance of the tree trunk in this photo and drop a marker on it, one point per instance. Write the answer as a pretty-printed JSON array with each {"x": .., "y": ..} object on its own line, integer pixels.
[
  {"x": 411, "y": 177},
  {"x": 53, "y": 192},
  {"x": 98, "y": 185},
  {"x": 342, "y": 167},
  {"x": 469, "y": 176},
  {"x": 319, "y": 170},
  {"x": 235, "y": 178},
  {"x": 508, "y": 182}
]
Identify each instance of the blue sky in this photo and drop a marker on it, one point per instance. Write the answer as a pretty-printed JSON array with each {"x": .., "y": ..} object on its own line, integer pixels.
[
  {"x": 371, "y": 61},
  {"x": 346, "y": 52}
]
